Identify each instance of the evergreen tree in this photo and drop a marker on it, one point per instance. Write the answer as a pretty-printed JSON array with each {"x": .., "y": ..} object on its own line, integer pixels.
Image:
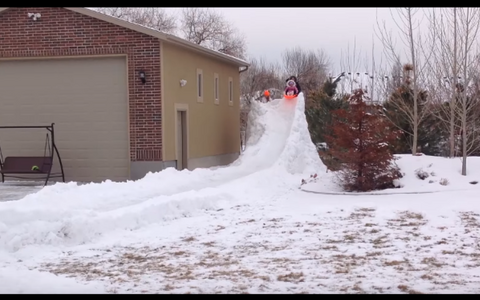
[
  {"x": 360, "y": 141},
  {"x": 431, "y": 134},
  {"x": 319, "y": 109}
]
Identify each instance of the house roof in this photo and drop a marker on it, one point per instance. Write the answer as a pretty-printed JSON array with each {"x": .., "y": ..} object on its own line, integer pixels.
[{"x": 155, "y": 33}]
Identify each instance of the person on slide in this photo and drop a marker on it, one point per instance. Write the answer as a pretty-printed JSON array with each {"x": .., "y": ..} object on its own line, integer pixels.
[
  {"x": 291, "y": 88},
  {"x": 294, "y": 78}
]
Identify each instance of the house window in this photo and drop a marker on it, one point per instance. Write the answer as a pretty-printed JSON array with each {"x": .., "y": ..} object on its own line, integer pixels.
[
  {"x": 230, "y": 90},
  {"x": 216, "y": 88},
  {"x": 199, "y": 85}
]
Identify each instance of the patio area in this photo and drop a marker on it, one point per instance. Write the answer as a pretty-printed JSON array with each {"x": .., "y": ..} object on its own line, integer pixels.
[{"x": 15, "y": 190}]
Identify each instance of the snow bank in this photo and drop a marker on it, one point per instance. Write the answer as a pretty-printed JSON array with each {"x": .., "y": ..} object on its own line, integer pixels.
[
  {"x": 279, "y": 150},
  {"x": 437, "y": 169},
  {"x": 441, "y": 174},
  {"x": 59, "y": 226}
]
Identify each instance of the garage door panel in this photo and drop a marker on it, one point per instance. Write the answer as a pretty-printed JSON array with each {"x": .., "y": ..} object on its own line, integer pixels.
[{"x": 87, "y": 101}]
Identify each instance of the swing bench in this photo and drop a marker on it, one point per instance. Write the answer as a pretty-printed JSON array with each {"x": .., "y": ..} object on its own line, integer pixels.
[{"x": 41, "y": 166}]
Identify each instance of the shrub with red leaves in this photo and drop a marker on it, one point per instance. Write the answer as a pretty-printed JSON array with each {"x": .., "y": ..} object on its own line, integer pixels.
[{"x": 360, "y": 141}]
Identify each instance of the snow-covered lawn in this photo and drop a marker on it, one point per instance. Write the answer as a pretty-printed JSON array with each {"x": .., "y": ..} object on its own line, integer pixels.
[
  {"x": 248, "y": 228},
  {"x": 295, "y": 243}
]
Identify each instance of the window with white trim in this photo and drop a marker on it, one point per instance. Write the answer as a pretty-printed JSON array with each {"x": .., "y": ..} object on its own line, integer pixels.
[
  {"x": 199, "y": 85},
  {"x": 216, "y": 88},
  {"x": 230, "y": 90}
]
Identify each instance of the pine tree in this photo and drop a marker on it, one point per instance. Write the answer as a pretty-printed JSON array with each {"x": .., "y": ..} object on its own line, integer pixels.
[
  {"x": 360, "y": 141},
  {"x": 431, "y": 132},
  {"x": 319, "y": 109}
]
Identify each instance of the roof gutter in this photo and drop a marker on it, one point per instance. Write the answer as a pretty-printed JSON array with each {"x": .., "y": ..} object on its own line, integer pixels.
[{"x": 205, "y": 50}]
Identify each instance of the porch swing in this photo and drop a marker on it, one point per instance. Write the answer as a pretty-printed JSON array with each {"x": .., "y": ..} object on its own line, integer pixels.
[{"x": 40, "y": 167}]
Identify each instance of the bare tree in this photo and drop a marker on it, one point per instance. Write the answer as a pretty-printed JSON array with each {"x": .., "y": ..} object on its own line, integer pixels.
[
  {"x": 259, "y": 77},
  {"x": 473, "y": 116},
  {"x": 210, "y": 29},
  {"x": 382, "y": 81},
  {"x": 417, "y": 55},
  {"x": 152, "y": 17},
  {"x": 455, "y": 68},
  {"x": 351, "y": 66},
  {"x": 359, "y": 72},
  {"x": 310, "y": 67},
  {"x": 469, "y": 23},
  {"x": 444, "y": 68},
  {"x": 394, "y": 79},
  {"x": 372, "y": 75},
  {"x": 388, "y": 79}
]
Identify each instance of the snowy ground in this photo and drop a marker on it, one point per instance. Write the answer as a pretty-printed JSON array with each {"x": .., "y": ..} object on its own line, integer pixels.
[
  {"x": 246, "y": 228},
  {"x": 421, "y": 174}
]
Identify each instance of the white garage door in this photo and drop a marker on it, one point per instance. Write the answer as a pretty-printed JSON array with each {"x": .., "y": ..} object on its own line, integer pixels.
[{"x": 87, "y": 100}]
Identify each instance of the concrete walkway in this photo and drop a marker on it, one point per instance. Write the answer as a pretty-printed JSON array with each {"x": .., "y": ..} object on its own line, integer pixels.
[{"x": 11, "y": 191}]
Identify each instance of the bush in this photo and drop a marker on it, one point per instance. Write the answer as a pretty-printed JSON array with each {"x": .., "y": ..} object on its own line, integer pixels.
[
  {"x": 332, "y": 163},
  {"x": 421, "y": 174},
  {"x": 361, "y": 141},
  {"x": 444, "y": 181}
]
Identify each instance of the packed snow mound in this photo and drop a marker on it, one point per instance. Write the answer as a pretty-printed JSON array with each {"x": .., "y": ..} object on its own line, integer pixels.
[
  {"x": 300, "y": 156},
  {"x": 279, "y": 151},
  {"x": 278, "y": 137}
]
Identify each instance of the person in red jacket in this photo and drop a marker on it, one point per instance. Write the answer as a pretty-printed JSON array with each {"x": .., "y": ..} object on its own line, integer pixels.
[{"x": 266, "y": 94}]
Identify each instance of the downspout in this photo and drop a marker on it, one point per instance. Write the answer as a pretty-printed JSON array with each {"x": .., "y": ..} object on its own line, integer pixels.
[
  {"x": 241, "y": 71},
  {"x": 242, "y": 147}
]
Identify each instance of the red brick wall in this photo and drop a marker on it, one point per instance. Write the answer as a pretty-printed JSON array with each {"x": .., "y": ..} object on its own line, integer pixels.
[{"x": 61, "y": 32}]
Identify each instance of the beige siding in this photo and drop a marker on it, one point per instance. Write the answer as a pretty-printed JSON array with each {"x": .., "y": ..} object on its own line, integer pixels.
[{"x": 214, "y": 129}]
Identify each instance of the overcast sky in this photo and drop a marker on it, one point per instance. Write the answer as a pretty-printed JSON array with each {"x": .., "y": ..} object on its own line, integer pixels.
[{"x": 269, "y": 31}]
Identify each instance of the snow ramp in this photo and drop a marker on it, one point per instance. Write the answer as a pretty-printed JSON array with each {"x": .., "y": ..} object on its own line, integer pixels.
[{"x": 279, "y": 152}]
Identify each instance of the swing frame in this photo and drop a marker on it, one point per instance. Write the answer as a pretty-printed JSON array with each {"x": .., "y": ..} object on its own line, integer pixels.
[{"x": 13, "y": 166}]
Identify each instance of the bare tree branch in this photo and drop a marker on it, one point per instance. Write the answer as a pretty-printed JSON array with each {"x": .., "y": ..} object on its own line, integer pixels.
[
  {"x": 456, "y": 64},
  {"x": 259, "y": 77},
  {"x": 310, "y": 67},
  {"x": 152, "y": 17},
  {"x": 414, "y": 72},
  {"x": 210, "y": 29}
]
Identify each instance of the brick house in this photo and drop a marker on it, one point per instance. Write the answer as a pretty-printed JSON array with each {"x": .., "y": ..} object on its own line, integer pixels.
[{"x": 125, "y": 99}]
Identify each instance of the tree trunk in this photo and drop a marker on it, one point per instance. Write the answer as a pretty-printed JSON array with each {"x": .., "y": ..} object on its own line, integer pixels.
[
  {"x": 452, "y": 128},
  {"x": 415, "y": 136},
  {"x": 360, "y": 149},
  {"x": 464, "y": 140},
  {"x": 453, "y": 99},
  {"x": 416, "y": 120}
]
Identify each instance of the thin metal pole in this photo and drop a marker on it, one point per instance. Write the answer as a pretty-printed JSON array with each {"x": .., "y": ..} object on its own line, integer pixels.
[{"x": 54, "y": 146}]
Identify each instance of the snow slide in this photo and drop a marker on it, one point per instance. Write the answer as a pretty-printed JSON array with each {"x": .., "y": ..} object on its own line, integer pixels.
[{"x": 279, "y": 152}]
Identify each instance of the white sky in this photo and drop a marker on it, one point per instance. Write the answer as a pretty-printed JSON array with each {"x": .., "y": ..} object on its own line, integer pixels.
[{"x": 269, "y": 31}]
